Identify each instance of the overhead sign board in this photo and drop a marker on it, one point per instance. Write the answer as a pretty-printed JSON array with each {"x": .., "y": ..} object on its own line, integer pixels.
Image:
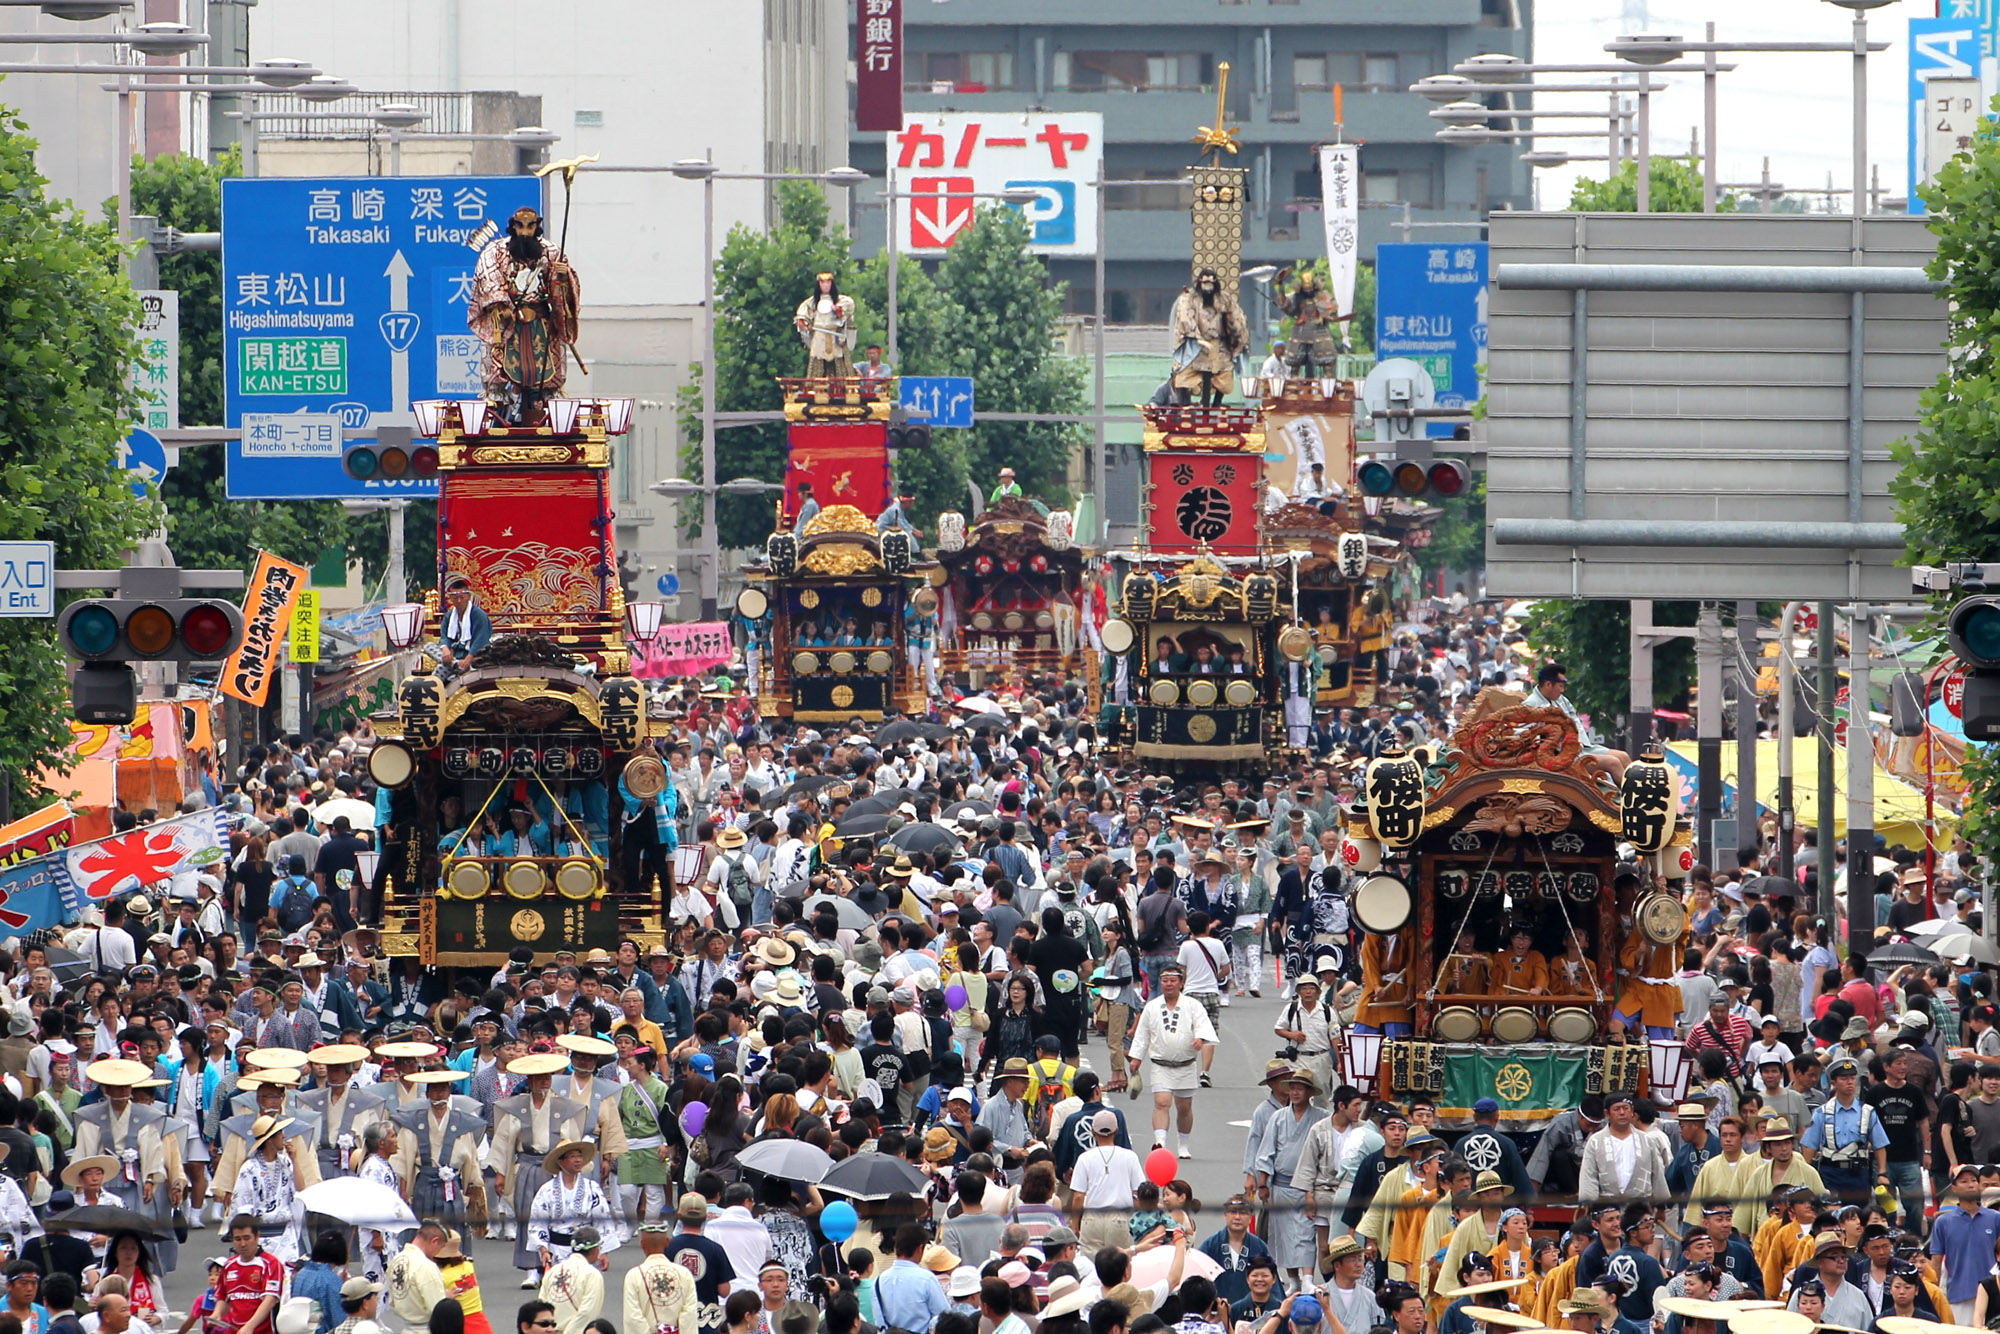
[
  {"x": 27, "y": 579},
  {"x": 940, "y": 400},
  {"x": 945, "y": 161},
  {"x": 346, "y": 296},
  {"x": 1430, "y": 306},
  {"x": 1940, "y": 48}
]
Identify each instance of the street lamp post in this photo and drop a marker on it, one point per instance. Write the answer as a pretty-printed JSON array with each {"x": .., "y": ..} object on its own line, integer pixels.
[
  {"x": 1649, "y": 51},
  {"x": 704, "y": 170}
]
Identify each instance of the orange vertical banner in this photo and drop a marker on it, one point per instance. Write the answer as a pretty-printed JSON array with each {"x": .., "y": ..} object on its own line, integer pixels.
[{"x": 267, "y": 615}]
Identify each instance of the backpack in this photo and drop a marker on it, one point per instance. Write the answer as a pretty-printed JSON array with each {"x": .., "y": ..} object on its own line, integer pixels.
[
  {"x": 295, "y": 903},
  {"x": 736, "y": 880},
  {"x": 1153, "y": 927},
  {"x": 1054, "y": 1087}
]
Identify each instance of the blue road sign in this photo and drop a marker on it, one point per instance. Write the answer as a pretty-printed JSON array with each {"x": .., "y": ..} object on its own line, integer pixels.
[
  {"x": 1940, "y": 48},
  {"x": 1430, "y": 306},
  {"x": 668, "y": 584},
  {"x": 347, "y": 295},
  {"x": 141, "y": 454},
  {"x": 941, "y": 400}
]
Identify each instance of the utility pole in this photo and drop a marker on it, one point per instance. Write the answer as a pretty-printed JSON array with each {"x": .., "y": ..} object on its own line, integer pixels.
[
  {"x": 1829, "y": 686},
  {"x": 1747, "y": 658},
  {"x": 1708, "y": 727},
  {"x": 1860, "y": 783}
]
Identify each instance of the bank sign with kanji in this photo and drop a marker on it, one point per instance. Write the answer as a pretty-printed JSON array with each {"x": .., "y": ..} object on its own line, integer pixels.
[
  {"x": 347, "y": 296},
  {"x": 944, "y": 162}
]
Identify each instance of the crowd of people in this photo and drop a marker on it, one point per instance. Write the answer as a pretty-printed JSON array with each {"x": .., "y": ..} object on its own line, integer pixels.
[{"x": 852, "y": 1089}]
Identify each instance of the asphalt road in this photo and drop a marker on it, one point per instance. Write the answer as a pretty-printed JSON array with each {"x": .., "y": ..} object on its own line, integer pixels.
[{"x": 1222, "y": 1116}]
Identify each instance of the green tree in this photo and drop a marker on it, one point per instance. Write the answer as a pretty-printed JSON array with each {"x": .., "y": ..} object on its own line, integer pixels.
[
  {"x": 1675, "y": 188},
  {"x": 1459, "y": 540},
  {"x": 66, "y": 351},
  {"x": 206, "y": 529},
  {"x": 1947, "y": 487},
  {"x": 1594, "y": 641},
  {"x": 1007, "y": 314},
  {"x": 760, "y": 278},
  {"x": 926, "y": 328}
]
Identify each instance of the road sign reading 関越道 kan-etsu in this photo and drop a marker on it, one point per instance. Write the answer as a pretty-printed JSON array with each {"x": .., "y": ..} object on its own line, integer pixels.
[{"x": 347, "y": 296}]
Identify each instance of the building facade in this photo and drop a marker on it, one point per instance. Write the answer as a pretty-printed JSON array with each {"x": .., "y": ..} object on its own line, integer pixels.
[{"x": 1152, "y": 70}]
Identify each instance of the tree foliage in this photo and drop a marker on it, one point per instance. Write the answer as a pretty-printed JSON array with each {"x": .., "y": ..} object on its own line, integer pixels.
[
  {"x": 989, "y": 311},
  {"x": 1675, "y": 188},
  {"x": 1947, "y": 487},
  {"x": 1594, "y": 641},
  {"x": 206, "y": 529},
  {"x": 66, "y": 351},
  {"x": 1459, "y": 540}
]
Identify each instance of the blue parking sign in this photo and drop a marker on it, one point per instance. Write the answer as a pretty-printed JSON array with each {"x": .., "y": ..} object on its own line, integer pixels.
[{"x": 346, "y": 295}]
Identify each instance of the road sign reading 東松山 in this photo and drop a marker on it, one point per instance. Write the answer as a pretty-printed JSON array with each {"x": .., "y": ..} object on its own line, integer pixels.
[
  {"x": 940, "y": 400},
  {"x": 346, "y": 297},
  {"x": 1430, "y": 306}
]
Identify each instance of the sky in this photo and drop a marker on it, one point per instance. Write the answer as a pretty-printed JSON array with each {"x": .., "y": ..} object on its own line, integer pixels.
[{"x": 1793, "y": 107}]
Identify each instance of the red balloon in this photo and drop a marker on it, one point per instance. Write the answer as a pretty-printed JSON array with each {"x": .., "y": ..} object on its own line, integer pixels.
[{"x": 1161, "y": 1166}]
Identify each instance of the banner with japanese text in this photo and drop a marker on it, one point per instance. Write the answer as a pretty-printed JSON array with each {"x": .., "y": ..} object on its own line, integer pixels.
[
  {"x": 146, "y": 856},
  {"x": 878, "y": 66},
  {"x": 50, "y": 829},
  {"x": 33, "y": 895},
  {"x": 268, "y": 603},
  {"x": 1531, "y": 1086},
  {"x": 682, "y": 650},
  {"x": 1340, "y": 202}
]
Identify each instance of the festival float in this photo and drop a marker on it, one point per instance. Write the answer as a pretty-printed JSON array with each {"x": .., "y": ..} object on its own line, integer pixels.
[
  {"x": 1011, "y": 581},
  {"x": 1513, "y": 829},
  {"x": 504, "y": 760}
]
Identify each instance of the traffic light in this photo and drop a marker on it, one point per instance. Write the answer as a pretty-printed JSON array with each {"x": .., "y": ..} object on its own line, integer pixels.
[
  {"x": 109, "y": 634},
  {"x": 1412, "y": 479},
  {"x": 393, "y": 456},
  {"x": 1973, "y": 630},
  {"x": 909, "y": 435}
]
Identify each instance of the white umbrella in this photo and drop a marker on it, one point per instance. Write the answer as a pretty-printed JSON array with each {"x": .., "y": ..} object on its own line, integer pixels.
[
  {"x": 1957, "y": 944},
  {"x": 360, "y": 1202},
  {"x": 1937, "y": 926},
  {"x": 973, "y": 704}
]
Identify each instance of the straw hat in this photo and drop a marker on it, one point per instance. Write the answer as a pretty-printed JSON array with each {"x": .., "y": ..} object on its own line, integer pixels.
[
  {"x": 776, "y": 952},
  {"x": 408, "y": 1051},
  {"x": 72, "y": 1176},
  {"x": 730, "y": 838},
  {"x": 576, "y": 1042},
  {"x": 276, "y": 1058},
  {"x": 253, "y": 1078},
  {"x": 940, "y": 1146},
  {"x": 437, "y": 1076},
  {"x": 266, "y": 1126},
  {"x": 1066, "y": 1296},
  {"x": 552, "y": 1160},
  {"x": 448, "y": 1248},
  {"x": 339, "y": 1053},
  {"x": 117, "y": 1073},
  {"x": 541, "y": 1063}
]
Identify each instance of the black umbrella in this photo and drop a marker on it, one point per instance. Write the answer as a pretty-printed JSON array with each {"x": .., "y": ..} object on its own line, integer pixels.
[
  {"x": 866, "y": 824},
  {"x": 874, "y": 1176},
  {"x": 66, "y": 965},
  {"x": 930, "y": 839},
  {"x": 987, "y": 722},
  {"x": 900, "y": 730},
  {"x": 960, "y": 808},
  {"x": 809, "y": 783},
  {"x": 106, "y": 1218},
  {"x": 1898, "y": 952},
  {"x": 1772, "y": 887},
  {"x": 933, "y": 732},
  {"x": 884, "y": 801}
]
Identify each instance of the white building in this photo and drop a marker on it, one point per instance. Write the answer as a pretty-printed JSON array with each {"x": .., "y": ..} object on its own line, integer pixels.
[{"x": 759, "y": 85}]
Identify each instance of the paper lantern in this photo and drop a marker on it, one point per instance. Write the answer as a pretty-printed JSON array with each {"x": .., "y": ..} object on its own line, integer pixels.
[
  {"x": 622, "y": 705},
  {"x": 782, "y": 550},
  {"x": 983, "y": 565},
  {"x": 951, "y": 531},
  {"x": 420, "y": 698},
  {"x": 1061, "y": 531},
  {"x": 1260, "y": 597},
  {"x": 1395, "y": 789},
  {"x": 1138, "y": 596},
  {"x": 896, "y": 548},
  {"x": 1646, "y": 803},
  {"x": 1038, "y": 563},
  {"x": 1352, "y": 555}
]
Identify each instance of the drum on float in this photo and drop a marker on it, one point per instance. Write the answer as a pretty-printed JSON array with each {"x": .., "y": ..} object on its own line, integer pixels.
[
  {"x": 1515, "y": 1023},
  {"x": 1457, "y": 1023},
  {"x": 1573, "y": 1024},
  {"x": 1382, "y": 904}
]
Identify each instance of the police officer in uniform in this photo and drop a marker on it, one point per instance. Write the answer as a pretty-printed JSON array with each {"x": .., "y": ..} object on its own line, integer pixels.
[{"x": 1845, "y": 1141}]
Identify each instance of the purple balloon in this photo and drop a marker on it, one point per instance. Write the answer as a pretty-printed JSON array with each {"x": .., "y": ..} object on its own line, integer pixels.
[
  {"x": 693, "y": 1117},
  {"x": 954, "y": 997}
]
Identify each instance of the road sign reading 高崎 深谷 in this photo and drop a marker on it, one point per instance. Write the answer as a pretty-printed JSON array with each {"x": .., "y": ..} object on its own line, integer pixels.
[{"x": 346, "y": 297}]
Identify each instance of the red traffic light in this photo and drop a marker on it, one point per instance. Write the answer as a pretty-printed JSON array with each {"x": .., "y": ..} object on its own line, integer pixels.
[
  {"x": 207, "y": 631},
  {"x": 1449, "y": 477}
]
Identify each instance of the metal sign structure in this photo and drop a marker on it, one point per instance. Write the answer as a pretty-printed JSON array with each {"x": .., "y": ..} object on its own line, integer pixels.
[
  {"x": 27, "y": 579},
  {"x": 347, "y": 296},
  {"x": 941, "y": 400},
  {"x": 1715, "y": 427},
  {"x": 1940, "y": 49},
  {"x": 1430, "y": 306},
  {"x": 946, "y": 159}
]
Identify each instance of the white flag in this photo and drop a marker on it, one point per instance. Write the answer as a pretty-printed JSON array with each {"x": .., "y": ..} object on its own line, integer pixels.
[{"x": 1340, "y": 194}]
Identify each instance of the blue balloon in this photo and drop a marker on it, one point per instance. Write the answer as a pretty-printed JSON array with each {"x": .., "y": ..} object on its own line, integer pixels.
[{"x": 838, "y": 1221}]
